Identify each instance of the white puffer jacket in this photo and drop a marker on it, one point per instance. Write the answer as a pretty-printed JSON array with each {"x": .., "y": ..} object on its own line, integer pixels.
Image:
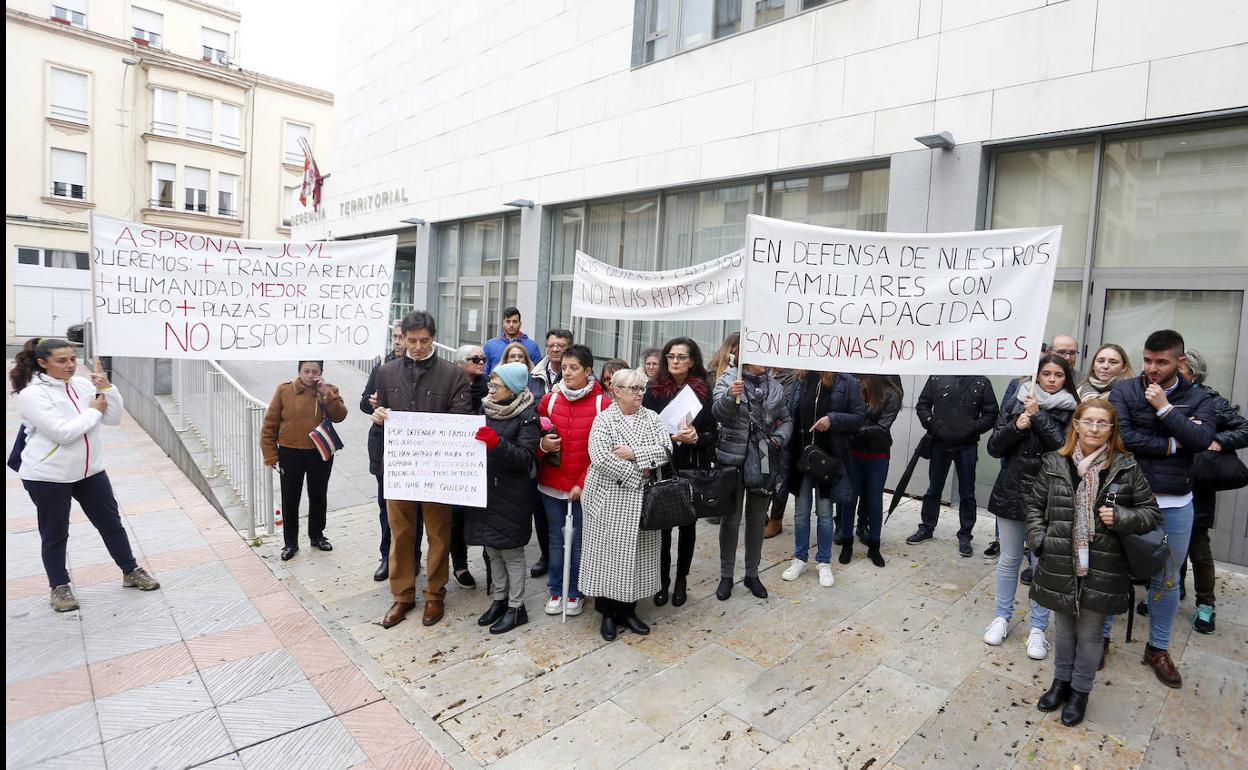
[{"x": 62, "y": 430}]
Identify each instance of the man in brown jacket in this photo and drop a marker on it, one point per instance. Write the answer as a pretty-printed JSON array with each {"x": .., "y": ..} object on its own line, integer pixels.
[{"x": 419, "y": 382}]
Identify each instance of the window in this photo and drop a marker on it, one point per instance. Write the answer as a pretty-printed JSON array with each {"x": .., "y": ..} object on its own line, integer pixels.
[
  {"x": 290, "y": 202},
  {"x": 666, "y": 27},
  {"x": 196, "y": 181},
  {"x": 857, "y": 200},
  {"x": 292, "y": 151},
  {"x": 227, "y": 133},
  {"x": 146, "y": 26},
  {"x": 198, "y": 118},
  {"x": 164, "y": 112},
  {"x": 227, "y": 188},
  {"x": 69, "y": 174},
  {"x": 656, "y": 38},
  {"x": 69, "y": 95},
  {"x": 1047, "y": 187},
  {"x": 216, "y": 46},
  {"x": 478, "y": 264},
  {"x": 59, "y": 258},
  {"x": 1175, "y": 200},
  {"x": 72, "y": 12},
  {"x": 163, "y": 176},
  {"x": 767, "y": 11}
]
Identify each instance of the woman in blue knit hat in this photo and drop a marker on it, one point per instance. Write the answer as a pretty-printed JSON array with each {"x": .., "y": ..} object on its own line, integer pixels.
[{"x": 504, "y": 526}]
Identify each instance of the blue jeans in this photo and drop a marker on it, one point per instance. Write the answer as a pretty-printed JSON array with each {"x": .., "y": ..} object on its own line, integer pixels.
[
  {"x": 1010, "y": 535},
  {"x": 801, "y": 523},
  {"x": 556, "y": 515},
  {"x": 1162, "y": 609},
  {"x": 866, "y": 479},
  {"x": 963, "y": 460}
]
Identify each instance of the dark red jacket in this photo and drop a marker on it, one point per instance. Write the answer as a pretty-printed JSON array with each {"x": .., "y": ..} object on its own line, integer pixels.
[{"x": 572, "y": 420}]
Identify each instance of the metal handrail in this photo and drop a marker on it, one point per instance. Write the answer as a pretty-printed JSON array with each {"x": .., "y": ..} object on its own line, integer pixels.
[{"x": 227, "y": 420}]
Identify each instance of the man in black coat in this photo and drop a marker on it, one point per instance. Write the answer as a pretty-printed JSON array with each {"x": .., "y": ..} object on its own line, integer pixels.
[
  {"x": 1165, "y": 422},
  {"x": 376, "y": 447},
  {"x": 954, "y": 410}
]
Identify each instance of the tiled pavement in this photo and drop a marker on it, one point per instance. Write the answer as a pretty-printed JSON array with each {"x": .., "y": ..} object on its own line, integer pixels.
[{"x": 221, "y": 667}]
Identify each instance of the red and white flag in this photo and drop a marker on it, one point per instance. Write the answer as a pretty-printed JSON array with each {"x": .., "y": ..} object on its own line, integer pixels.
[{"x": 312, "y": 179}]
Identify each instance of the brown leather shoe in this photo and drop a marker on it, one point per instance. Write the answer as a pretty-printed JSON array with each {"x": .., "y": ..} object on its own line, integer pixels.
[
  {"x": 397, "y": 612},
  {"x": 434, "y": 610},
  {"x": 773, "y": 528},
  {"x": 1163, "y": 667}
]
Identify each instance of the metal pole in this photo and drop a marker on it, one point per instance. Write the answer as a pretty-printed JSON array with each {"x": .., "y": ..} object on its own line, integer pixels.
[
  {"x": 210, "y": 428},
  {"x": 268, "y": 501},
  {"x": 250, "y": 498},
  {"x": 179, "y": 389}
]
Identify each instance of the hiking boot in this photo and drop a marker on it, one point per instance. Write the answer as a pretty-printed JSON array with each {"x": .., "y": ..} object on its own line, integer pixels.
[
  {"x": 63, "y": 599},
  {"x": 138, "y": 578},
  {"x": 773, "y": 528},
  {"x": 1203, "y": 621}
]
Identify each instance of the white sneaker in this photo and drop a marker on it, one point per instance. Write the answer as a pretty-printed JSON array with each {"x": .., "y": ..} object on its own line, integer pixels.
[
  {"x": 554, "y": 605},
  {"x": 794, "y": 571},
  {"x": 997, "y": 631},
  {"x": 576, "y": 605},
  {"x": 1037, "y": 645},
  {"x": 825, "y": 575}
]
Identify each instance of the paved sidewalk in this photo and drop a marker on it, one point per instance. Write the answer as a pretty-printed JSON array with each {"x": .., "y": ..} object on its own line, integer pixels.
[{"x": 221, "y": 667}]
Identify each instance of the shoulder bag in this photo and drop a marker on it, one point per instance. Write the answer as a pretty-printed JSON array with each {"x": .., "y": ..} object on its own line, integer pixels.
[
  {"x": 666, "y": 502},
  {"x": 815, "y": 462},
  {"x": 713, "y": 487},
  {"x": 1148, "y": 554},
  {"x": 1219, "y": 471}
]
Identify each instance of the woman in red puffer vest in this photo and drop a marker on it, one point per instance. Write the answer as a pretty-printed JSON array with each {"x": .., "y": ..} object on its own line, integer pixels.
[{"x": 571, "y": 405}]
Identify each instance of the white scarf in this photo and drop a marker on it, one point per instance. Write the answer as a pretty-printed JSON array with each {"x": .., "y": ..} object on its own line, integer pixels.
[
  {"x": 1059, "y": 400},
  {"x": 573, "y": 395}
]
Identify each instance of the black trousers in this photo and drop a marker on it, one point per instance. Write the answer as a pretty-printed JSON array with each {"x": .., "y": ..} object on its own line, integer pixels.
[
  {"x": 296, "y": 465},
  {"x": 95, "y": 495},
  {"x": 684, "y": 553},
  {"x": 615, "y": 609},
  {"x": 385, "y": 523},
  {"x": 459, "y": 549}
]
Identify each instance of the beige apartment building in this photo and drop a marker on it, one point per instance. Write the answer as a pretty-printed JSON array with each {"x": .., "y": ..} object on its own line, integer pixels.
[{"x": 139, "y": 111}]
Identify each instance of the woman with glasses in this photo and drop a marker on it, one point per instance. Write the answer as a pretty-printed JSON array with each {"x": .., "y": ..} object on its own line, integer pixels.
[
  {"x": 470, "y": 358},
  {"x": 1034, "y": 422},
  {"x": 650, "y": 358},
  {"x": 608, "y": 370},
  {"x": 680, "y": 367},
  {"x": 1087, "y": 494},
  {"x": 619, "y": 563},
  {"x": 1109, "y": 365}
]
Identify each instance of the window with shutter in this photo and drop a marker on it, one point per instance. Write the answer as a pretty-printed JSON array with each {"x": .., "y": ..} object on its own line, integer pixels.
[
  {"x": 216, "y": 46},
  {"x": 164, "y": 112},
  {"x": 69, "y": 174},
  {"x": 227, "y": 187},
  {"x": 163, "y": 175},
  {"x": 69, "y": 95},
  {"x": 147, "y": 27},
  {"x": 71, "y": 12},
  {"x": 228, "y": 130},
  {"x": 292, "y": 152},
  {"x": 196, "y": 181}
]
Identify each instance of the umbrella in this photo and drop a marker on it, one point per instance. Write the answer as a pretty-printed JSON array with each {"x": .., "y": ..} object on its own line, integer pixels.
[
  {"x": 567, "y": 557},
  {"x": 923, "y": 448}
]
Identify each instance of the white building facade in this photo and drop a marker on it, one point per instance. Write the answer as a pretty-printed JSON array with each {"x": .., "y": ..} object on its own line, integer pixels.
[
  {"x": 139, "y": 111},
  {"x": 645, "y": 131}
]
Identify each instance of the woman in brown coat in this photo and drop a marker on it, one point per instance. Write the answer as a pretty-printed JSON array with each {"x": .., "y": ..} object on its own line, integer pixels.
[{"x": 296, "y": 410}]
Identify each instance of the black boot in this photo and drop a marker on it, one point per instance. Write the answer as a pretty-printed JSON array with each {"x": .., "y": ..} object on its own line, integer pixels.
[
  {"x": 873, "y": 553},
  {"x": 847, "y": 552},
  {"x": 724, "y": 590},
  {"x": 1059, "y": 693},
  {"x": 680, "y": 592},
  {"x": 609, "y": 629},
  {"x": 635, "y": 625},
  {"x": 1075, "y": 708},
  {"x": 756, "y": 587},
  {"x": 539, "y": 568},
  {"x": 661, "y": 597},
  {"x": 514, "y": 616},
  {"x": 383, "y": 571},
  {"x": 491, "y": 616}
]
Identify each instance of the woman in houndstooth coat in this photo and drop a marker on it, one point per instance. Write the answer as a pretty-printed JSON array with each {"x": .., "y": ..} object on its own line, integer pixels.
[{"x": 620, "y": 562}]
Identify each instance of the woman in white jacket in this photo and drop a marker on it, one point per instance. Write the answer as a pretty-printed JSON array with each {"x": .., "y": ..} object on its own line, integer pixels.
[{"x": 63, "y": 458}]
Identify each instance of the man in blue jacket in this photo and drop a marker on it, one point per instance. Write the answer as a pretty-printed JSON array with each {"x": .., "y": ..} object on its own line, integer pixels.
[
  {"x": 1165, "y": 421},
  {"x": 511, "y": 333}
]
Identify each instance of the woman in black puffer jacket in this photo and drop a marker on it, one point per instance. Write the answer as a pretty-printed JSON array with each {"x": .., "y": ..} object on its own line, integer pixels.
[
  {"x": 1032, "y": 423},
  {"x": 510, "y": 436},
  {"x": 1074, "y": 526},
  {"x": 869, "y": 451}
]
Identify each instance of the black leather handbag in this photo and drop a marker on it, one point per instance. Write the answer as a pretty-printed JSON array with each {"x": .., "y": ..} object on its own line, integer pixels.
[
  {"x": 819, "y": 465},
  {"x": 713, "y": 489},
  {"x": 667, "y": 502},
  {"x": 1147, "y": 554},
  {"x": 1219, "y": 471}
]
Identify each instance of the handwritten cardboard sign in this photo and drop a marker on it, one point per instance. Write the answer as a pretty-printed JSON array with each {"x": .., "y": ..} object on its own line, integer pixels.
[
  {"x": 707, "y": 291},
  {"x": 162, "y": 293},
  {"x": 435, "y": 458},
  {"x": 827, "y": 299}
]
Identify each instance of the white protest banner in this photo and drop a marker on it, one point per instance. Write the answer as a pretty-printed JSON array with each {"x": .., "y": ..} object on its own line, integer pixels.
[
  {"x": 827, "y": 299},
  {"x": 435, "y": 458},
  {"x": 708, "y": 291},
  {"x": 163, "y": 293}
]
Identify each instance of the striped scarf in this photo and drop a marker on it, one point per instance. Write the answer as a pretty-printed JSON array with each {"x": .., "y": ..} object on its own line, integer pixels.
[{"x": 1089, "y": 467}]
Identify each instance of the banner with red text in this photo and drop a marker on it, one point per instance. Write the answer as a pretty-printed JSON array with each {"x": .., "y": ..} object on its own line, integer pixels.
[
  {"x": 705, "y": 291},
  {"x": 827, "y": 299},
  {"x": 163, "y": 293}
]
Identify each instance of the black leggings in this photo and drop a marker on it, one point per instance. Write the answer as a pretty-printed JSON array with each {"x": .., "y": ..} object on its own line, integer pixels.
[
  {"x": 295, "y": 464},
  {"x": 95, "y": 495},
  {"x": 615, "y": 609}
]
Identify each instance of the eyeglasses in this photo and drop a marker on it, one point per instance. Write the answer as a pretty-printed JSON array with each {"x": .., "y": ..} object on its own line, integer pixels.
[
  {"x": 475, "y": 359},
  {"x": 1095, "y": 425},
  {"x": 638, "y": 389},
  {"x": 492, "y": 386},
  {"x": 1064, "y": 353},
  {"x": 676, "y": 357}
]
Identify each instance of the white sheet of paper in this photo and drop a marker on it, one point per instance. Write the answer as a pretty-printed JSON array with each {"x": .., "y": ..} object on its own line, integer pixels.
[
  {"x": 435, "y": 458},
  {"x": 686, "y": 404}
]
